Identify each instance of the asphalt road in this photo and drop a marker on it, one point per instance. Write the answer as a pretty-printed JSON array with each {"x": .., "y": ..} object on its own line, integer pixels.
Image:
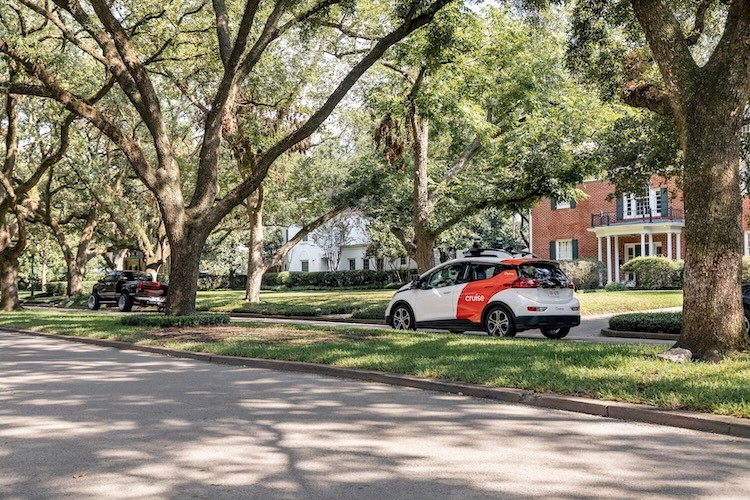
[{"x": 84, "y": 422}]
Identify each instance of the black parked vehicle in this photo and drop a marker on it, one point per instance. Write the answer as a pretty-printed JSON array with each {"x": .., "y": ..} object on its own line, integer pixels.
[{"x": 126, "y": 288}]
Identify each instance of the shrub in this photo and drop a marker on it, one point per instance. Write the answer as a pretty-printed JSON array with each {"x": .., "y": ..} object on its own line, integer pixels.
[
  {"x": 55, "y": 288},
  {"x": 200, "y": 319},
  {"x": 664, "y": 322},
  {"x": 212, "y": 282},
  {"x": 585, "y": 273},
  {"x": 745, "y": 269},
  {"x": 655, "y": 273},
  {"x": 615, "y": 286}
]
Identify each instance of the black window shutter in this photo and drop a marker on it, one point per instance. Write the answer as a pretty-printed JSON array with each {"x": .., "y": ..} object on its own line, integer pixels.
[
  {"x": 575, "y": 249},
  {"x": 619, "y": 208},
  {"x": 552, "y": 250},
  {"x": 572, "y": 203},
  {"x": 553, "y": 204},
  {"x": 663, "y": 202}
]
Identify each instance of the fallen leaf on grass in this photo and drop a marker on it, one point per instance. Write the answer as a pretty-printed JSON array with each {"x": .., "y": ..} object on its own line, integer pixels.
[{"x": 79, "y": 475}]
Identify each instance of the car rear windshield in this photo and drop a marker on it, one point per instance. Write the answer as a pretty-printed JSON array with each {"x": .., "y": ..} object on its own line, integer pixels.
[{"x": 548, "y": 274}]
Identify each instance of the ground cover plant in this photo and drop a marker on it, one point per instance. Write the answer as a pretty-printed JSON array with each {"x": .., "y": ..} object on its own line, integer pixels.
[
  {"x": 621, "y": 372},
  {"x": 664, "y": 322}
]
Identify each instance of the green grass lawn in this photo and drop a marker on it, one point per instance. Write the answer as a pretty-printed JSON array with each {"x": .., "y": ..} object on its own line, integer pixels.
[
  {"x": 371, "y": 304},
  {"x": 621, "y": 372}
]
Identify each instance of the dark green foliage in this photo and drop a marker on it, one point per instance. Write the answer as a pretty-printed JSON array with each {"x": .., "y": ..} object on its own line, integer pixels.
[
  {"x": 585, "y": 273},
  {"x": 331, "y": 279},
  {"x": 54, "y": 288},
  {"x": 655, "y": 273},
  {"x": 647, "y": 322},
  {"x": 614, "y": 286},
  {"x": 202, "y": 319},
  {"x": 636, "y": 147}
]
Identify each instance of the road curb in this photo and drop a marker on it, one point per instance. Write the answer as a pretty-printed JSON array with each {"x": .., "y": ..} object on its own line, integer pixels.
[
  {"x": 606, "y": 332},
  {"x": 705, "y": 422}
]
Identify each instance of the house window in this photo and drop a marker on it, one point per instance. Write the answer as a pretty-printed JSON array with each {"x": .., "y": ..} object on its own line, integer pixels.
[
  {"x": 563, "y": 204},
  {"x": 564, "y": 250},
  {"x": 352, "y": 264},
  {"x": 633, "y": 250},
  {"x": 403, "y": 261},
  {"x": 647, "y": 203},
  {"x": 379, "y": 264},
  {"x": 558, "y": 204},
  {"x": 305, "y": 266},
  {"x": 365, "y": 264}
]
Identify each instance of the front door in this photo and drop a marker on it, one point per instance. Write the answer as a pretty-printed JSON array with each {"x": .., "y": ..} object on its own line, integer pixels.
[{"x": 438, "y": 300}]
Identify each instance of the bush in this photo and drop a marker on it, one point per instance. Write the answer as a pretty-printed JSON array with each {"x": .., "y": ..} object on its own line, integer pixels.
[
  {"x": 55, "y": 288},
  {"x": 647, "y": 322},
  {"x": 200, "y": 319},
  {"x": 585, "y": 273},
  {"x": 212, "y": 282},
  {"x": 331, "y": 279},
  {"x": 655, "y": 273},
  {"x": 614, "y": 286},
  {"x": 745, "y": 269}
]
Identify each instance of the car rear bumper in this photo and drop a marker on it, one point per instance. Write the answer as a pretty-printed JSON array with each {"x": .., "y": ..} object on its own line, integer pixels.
[
  {"x": 547, "y": 321},
  {"x": 151, "y": 301}
]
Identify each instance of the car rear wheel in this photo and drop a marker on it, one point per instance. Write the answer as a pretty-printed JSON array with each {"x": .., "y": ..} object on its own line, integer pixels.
[
  {"x": 403, "y": 319},
  {"x": 555, "y": 333},
  {"x": 499, "y": 322},
  {"x": 125, "y": 302},
  {"x": 94, "y": 303}
]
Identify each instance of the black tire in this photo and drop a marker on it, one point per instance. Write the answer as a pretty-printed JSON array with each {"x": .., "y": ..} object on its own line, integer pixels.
[
  {"x": 125, "y": 302},
  {"x": 402, "y": 318},
  {"x": 499, "y": 322},
  {"x": 555, "y": 333},
  {"x": 94, "y": 303}
]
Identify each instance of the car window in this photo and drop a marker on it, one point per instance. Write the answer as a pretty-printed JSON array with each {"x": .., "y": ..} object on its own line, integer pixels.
[
  {"x": 546, "y": 273},
  {"x": 481, "y": 271},
  {"x": 447, "y": 276},
  {"x": 137, "y": 276}
]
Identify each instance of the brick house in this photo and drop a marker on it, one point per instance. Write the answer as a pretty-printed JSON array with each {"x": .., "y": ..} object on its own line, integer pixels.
[{"x": 614, "y": 231}]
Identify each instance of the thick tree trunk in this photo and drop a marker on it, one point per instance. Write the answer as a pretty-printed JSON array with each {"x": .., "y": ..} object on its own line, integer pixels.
[
  {"x": 255, "y": 265},
  {"x": 424, "y": 240},
  {"x": 184, "y": 271},
  {"x": 713, "y": 313},
  {"x": 9, "y": 300},
  {"x": 76, "y": 270}
]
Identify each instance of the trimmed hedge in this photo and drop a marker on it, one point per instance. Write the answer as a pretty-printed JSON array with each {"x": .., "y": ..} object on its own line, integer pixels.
[
  {"x": 200, "y": 319},
  {"x": 585, "y": 273},
  {"x": 310, "y": 281},
  {"x": 655, "y": 273},
  {"x": 664, "y": 322}
]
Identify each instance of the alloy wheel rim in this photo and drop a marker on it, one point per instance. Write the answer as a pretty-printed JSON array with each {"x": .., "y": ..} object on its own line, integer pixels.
[
  {"x": 91, "y": 301},
  {"x": 401, "y": 319},
  {"x": 498, "y": 323},
  {"x": 121, "y": 301}
]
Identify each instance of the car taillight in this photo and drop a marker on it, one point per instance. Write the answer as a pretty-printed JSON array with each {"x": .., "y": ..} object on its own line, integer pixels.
[
  {"x": 576, "y": 308},
  {"x": 571, "y": 285},
  {"x": 140, "y": 285},
  {"x": 536, "y": 309},
  {"x": 525, "y": 283}
]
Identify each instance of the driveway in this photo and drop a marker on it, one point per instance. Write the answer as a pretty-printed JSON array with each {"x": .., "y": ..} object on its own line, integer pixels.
[{"x": 84, "y": 422}]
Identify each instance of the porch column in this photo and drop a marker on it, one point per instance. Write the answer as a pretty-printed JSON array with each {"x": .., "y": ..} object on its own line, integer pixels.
[
  {"x": 609, "y": 258},
  {"x": 599, "y": 245},
  {"x": 650, "y": 245},
  {"x": 669, "y": 245},
  {"x": 643, "y": 244},
  {"x": 617, "y": 259},
  {"x": 679, "y": 245}
]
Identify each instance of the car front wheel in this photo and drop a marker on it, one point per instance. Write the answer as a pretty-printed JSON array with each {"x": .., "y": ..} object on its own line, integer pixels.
[
  {"x": 555, "y": 333},
  {"x": 499, "y": 322},
  {"x": 403, "y": 319},
  {"x": 125, "y": 302},
  {"x": 94, "y": 303}
]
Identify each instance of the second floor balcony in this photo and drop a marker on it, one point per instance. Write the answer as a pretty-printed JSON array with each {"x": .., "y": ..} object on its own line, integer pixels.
[{"x": 640, "y": 216}]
